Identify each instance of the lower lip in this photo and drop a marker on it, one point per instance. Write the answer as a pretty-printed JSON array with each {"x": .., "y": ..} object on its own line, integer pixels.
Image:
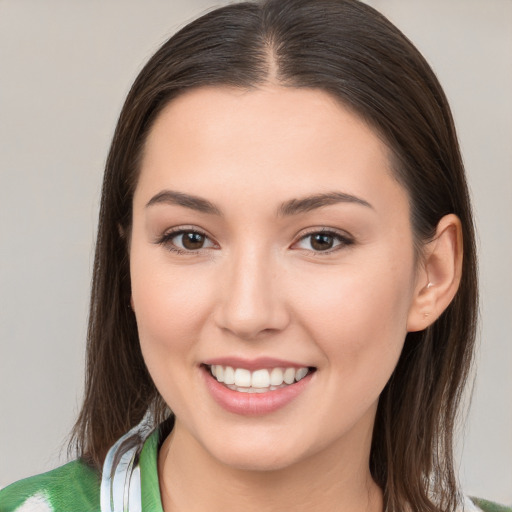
[{"x": 253, "y": 404}]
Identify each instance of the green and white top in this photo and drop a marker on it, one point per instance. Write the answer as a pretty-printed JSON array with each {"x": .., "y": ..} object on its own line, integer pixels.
[{"x": 129, "y": 482}]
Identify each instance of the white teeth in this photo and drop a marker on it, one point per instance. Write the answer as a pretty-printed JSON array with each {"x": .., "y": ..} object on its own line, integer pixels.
[
  {"x": 258, "y": 381},
  {"x": 229, "y": 375},
  {"x": 242, "y": 378},
  {"x": 276, "y": 377},
  {"x": 300, "y": 373},
  {"x": 289, "y": 375}
]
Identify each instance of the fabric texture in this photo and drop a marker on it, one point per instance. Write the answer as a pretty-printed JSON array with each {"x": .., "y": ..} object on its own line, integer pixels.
[{"x": 76, "y": 487}]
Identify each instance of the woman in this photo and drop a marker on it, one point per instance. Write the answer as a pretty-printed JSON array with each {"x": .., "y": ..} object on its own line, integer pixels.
[{"x": 285, "y": 259}]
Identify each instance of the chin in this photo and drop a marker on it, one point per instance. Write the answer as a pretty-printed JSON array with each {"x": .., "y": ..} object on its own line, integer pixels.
[
  {"x": 258, "y": 461},
  {"x": 255, "y": 456}
]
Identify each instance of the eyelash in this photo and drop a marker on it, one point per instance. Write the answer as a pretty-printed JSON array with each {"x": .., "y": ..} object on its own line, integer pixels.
[
  {"x": 165, "y": 240},
  {"x": 344, "y": 239}
]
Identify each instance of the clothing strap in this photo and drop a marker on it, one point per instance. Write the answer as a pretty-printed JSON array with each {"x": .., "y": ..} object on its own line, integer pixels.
[{"x": 120, "y": 482}]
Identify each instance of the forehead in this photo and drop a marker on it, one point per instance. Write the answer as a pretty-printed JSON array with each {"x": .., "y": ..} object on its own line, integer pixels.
[{"x": 274, "y": 140}]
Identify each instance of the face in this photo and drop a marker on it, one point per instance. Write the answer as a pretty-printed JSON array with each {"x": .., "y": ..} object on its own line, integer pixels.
[{"x": 270, "y": 241}]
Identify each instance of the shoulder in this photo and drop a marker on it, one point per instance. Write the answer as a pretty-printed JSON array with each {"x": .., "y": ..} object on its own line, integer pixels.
[
  {"x": 489, "y": 506},
  {"x": 74, "y": 486}
]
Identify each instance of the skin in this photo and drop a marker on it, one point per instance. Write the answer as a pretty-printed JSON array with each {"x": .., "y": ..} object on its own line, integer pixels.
[{"x": 259, "y": 288}]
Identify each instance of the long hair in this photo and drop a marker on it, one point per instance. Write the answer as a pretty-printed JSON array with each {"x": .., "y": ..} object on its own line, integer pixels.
[{"x": 352, "y": 52}]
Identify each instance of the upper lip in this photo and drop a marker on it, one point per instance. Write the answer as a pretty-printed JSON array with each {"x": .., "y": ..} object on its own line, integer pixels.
[{"x": 258, "y": 363}]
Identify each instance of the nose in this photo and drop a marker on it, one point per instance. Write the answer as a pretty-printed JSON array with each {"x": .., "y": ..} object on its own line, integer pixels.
[{"x": 252, "y": 303}]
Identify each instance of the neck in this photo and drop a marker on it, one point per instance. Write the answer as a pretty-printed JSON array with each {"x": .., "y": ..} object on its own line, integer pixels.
[{"x": 338, "y": 478}]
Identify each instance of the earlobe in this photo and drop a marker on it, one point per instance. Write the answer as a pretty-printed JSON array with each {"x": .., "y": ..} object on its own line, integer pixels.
[{"x": 439, "y": 278}]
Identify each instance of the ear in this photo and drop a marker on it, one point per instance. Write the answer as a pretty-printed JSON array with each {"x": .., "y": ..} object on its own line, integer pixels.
[{"x": 438, "y": 276}]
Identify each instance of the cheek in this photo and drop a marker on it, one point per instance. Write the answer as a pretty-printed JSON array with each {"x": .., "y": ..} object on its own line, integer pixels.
[
  {"x": 358, "y": 315},
  {"x": 170, "y": 306}
]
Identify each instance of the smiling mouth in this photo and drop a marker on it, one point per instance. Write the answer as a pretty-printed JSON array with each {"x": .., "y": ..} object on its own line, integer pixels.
[{"x": 258, "y": 381}]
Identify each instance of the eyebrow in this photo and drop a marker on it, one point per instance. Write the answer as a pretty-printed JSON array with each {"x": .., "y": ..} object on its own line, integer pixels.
[
  {"x": 306, "y": 204},
  {"x": 288, "y": 208},
  {"x": 188, "y": 201}
]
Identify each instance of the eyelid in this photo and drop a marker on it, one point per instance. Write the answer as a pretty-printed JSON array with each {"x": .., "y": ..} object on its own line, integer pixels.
[
  {"x": 345, "y": 238},
  {"x": 168, "y": 235}
]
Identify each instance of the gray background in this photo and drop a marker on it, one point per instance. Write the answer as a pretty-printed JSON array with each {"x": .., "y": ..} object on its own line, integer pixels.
[{"x": 65, "y": 68}]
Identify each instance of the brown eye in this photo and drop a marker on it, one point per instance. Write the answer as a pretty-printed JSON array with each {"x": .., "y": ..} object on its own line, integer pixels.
[
  {"x": 321, "y": 242},
  {"x": 183, "y": 241},
  {"x": 192, "y": 241},
  {"x": 324, "y": 242}
]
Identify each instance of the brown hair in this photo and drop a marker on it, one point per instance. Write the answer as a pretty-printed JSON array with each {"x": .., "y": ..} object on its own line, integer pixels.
[{"x": 349, "y": 50}]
